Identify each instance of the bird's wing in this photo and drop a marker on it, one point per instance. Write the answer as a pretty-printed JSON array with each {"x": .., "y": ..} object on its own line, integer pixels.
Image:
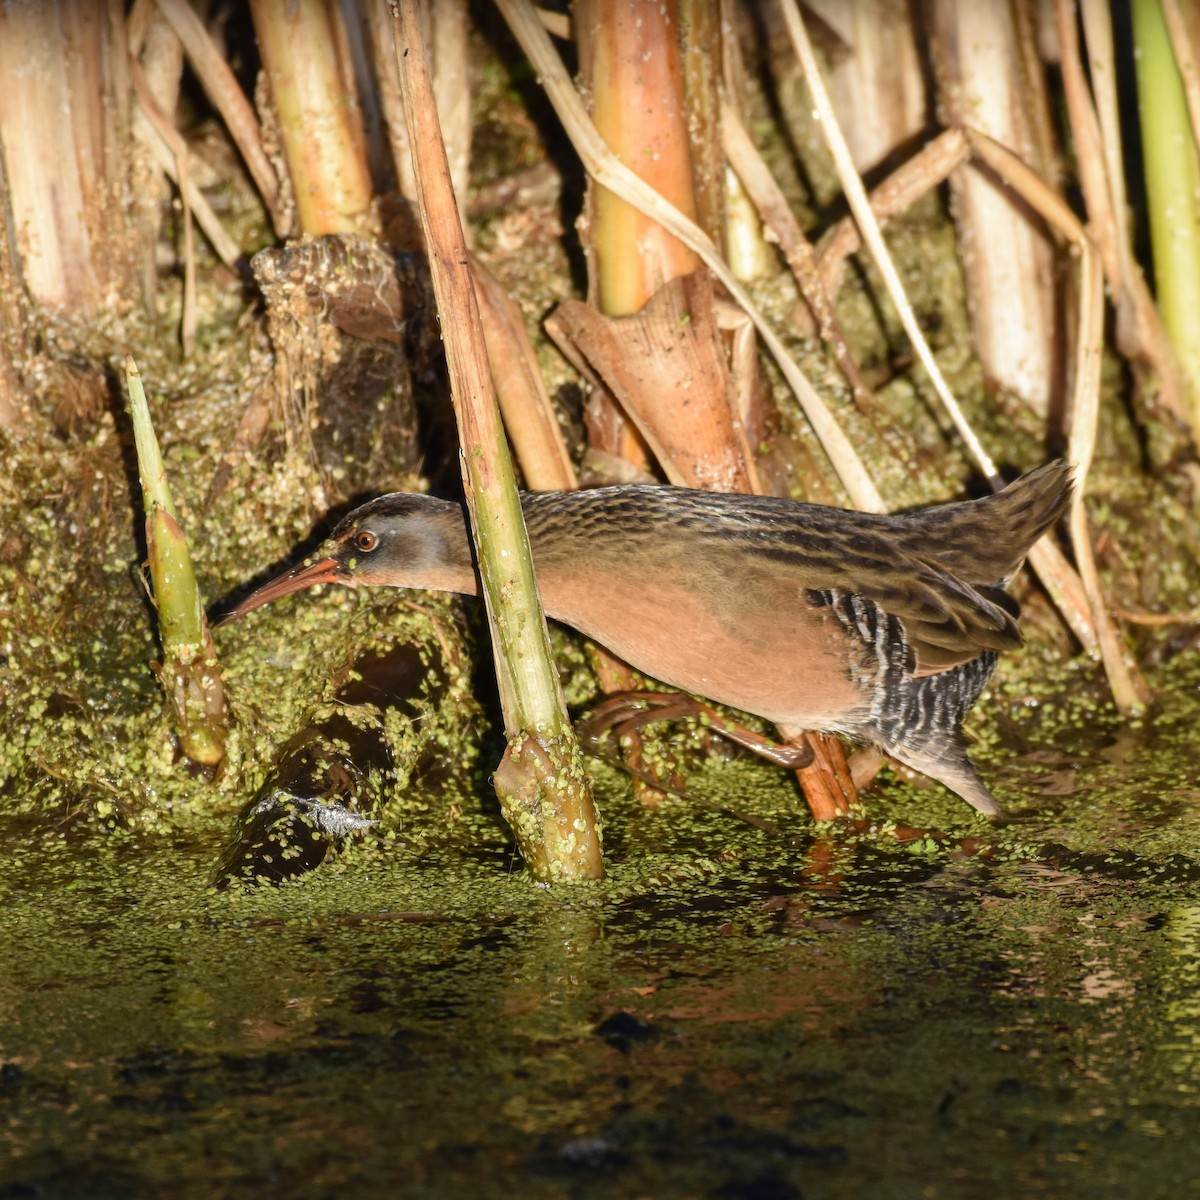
[{"x": 945, "y": 620}]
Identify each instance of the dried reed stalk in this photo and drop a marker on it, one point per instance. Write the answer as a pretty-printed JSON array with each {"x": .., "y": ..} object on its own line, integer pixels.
[
  {"x": 236, "y": 111},
  {"x": 877, "y": 87},
  {"x": 63, "y": 122}
]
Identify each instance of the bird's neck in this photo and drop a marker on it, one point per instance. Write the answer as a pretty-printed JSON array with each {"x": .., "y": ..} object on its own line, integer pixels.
[{"x": 442, "y": 558}]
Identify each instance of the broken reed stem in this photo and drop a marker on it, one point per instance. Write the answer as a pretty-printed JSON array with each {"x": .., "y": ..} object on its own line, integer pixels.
[
  {"x": 746, "y": 248},
  {"x": 610, "y": 172},
  {"x": 980, "y": 66},
  {"x": 62, "y": 155},
  {"x": 541, "y": 785},
  {"x": 190, "y": 673}
]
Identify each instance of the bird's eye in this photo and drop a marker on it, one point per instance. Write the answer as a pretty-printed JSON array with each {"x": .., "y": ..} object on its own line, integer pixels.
[{"x": 366, "y": 541}]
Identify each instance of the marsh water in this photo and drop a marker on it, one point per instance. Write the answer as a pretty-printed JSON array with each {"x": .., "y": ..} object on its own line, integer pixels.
[{"x": 744, "y": 1008}]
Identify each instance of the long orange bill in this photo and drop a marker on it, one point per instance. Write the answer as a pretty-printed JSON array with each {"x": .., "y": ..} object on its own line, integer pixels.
[{"x": 325, "y": 570}]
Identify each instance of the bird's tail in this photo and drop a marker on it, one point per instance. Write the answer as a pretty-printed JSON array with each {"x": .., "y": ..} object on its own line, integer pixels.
[
  {"x": 949, "y": 765},
  {"x": 985, "y": 541}
]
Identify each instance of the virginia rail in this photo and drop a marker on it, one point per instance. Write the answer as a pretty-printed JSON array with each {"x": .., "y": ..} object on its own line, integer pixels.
[{"x": 885, "y": 628}]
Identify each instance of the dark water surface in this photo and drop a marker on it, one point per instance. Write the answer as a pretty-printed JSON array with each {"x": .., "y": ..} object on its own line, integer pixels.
[{"x": 735, "y": 1014}]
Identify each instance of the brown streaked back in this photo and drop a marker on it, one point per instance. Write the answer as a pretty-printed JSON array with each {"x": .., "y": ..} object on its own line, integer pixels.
[{"x": 940, "y": 571}]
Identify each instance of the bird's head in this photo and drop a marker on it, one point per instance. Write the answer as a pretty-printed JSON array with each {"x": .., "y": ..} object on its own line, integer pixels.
[{"x": 399, "y": 540}]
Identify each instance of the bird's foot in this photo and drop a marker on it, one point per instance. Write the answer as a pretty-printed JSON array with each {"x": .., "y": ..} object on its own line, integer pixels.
[{"x": 627, "y": 712}]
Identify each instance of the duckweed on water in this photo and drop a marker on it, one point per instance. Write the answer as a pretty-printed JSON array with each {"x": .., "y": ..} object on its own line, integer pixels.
[{"x": 838, "y": 1014}]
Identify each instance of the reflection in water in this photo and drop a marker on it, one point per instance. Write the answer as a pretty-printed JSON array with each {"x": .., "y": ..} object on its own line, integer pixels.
[{"x": 1181, "y": 985}]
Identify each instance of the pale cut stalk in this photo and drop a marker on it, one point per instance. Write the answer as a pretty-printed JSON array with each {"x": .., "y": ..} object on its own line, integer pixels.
[
  {"x": 56, "y": 212},
  {"x": 540, "y": 783},
  {"x": 221, "y": 87},
  {"x": 746, "y": 248},
  {"x": 1045, "y": 557},
  {"x": 556, "y": 24},
  {"x": 749, "y": 255},
  {"x": 878, "y": 87},
  {"x": 609, "y": 171},
  {"x": 322, "y": 137},
  {"x": 178, "y": 148},
  {"x": 445, "y": 26},
  {"x": 1007, "y": 259},
  {"x": 141, "y": 14}
]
